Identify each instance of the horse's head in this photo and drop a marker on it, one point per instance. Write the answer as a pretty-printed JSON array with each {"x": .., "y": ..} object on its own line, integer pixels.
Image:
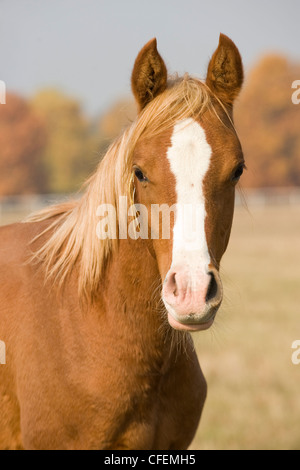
[{"x": 189, "y": 156}]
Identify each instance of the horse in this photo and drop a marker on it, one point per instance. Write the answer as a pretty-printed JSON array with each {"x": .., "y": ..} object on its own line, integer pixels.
[{"x": 98, "y": 329}]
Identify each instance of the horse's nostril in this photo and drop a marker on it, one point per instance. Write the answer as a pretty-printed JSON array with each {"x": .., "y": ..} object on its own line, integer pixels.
[
  {"x": 174, "y": 285},
  {"x": 212, "y": 290},
  {"x": 171, "y": 285}
]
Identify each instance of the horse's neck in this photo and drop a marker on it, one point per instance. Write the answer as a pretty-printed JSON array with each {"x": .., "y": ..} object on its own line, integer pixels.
[
  {"x": 133, "y": 277},
  {"x": 132, "y": 290}
]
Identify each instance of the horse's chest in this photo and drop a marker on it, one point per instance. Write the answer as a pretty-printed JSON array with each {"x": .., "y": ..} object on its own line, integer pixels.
[
  {"x": 131, "y": 416},
  {"x": 119, "y": 415},
  {"x": 94, "y": 405}
]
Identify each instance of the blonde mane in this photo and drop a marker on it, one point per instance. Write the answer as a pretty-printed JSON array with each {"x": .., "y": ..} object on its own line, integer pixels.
[{"x": 71, "y": 235}]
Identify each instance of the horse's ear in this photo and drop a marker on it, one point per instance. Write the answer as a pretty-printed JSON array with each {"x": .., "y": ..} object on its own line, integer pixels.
[
  {"x": 225, "y": 73},
  {"x": 149, "y": 75}
]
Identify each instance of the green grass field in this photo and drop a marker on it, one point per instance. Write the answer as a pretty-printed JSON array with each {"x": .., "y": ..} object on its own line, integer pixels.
[{"x": 253, "y": 386}]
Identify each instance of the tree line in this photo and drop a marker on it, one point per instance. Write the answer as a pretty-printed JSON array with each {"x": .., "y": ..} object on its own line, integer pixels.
[{"x": 48, "y": 145}]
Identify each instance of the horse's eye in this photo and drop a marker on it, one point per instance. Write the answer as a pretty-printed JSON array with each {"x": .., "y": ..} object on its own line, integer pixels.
[
  {"x": 238, "y": 173},
  {"x": 140, "y": 175}
]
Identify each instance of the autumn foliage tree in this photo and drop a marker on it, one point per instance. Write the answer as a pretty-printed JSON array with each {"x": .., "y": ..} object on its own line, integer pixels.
[
  {"x": 48, "y": 145},
  {"x": 268, "y": 124},
  {"x": 70, "y": 153},
  {"x": 122, "y": 113},
  {"x": 22, "y": 140}
]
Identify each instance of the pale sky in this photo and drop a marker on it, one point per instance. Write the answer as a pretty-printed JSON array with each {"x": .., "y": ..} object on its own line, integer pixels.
[{"x": 87, "y": 48}]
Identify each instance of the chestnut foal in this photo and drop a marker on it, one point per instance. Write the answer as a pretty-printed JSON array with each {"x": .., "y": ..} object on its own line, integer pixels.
[{"x": 96, "y": 328}]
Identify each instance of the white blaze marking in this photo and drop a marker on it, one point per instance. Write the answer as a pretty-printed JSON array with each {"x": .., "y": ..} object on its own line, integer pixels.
[{"x": 189, "y": 156}]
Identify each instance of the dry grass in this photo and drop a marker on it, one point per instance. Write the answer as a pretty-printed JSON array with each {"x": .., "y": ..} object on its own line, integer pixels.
[{"x": 253, "y": 387}]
